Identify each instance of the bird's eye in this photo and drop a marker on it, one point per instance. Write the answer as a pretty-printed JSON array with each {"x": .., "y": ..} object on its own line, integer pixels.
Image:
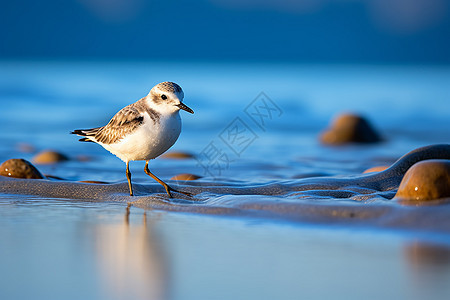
[{"x": 164, "y": 97}]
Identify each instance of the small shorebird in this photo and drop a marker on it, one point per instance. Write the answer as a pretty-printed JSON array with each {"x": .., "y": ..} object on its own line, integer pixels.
[{"x": 143, "y": 130}]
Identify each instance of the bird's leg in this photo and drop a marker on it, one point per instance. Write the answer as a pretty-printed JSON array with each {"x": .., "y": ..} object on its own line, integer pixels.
[
  {"x": 165, "y": 185},
  {"x": 129, "y": 179}
]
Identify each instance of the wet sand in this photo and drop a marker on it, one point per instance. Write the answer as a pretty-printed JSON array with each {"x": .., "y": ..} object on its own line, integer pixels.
[{"x": 362, "y": 200}]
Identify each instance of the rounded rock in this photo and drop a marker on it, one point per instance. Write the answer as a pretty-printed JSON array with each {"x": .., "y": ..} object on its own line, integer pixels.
[
  {"x": 25, "y": 148},
  {"x": 185, "y": 176},
  {"x": 19, "y": 168},
  {"x": 350, "y": 128},
  {"x": 94, "y": 181},
  {"x": 177, "y": 155},
  {"x": 49, "y": 157},
  {"x": 376, "y": 169},
  {"x": 426, "y": 180},
  {"x": 84, "y": 158}
]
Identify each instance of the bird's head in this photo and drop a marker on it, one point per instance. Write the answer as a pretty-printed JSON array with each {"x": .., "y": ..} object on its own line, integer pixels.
[{"x": 167, "y": 97}]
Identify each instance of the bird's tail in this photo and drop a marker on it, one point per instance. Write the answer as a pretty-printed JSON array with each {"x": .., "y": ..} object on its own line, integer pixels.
[{"x": 87, "y": 133}]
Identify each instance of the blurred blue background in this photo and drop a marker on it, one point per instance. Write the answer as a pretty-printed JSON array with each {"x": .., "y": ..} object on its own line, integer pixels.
[
  {"x": 329, "y": 31},
  {"x": 68, "y": 64}
]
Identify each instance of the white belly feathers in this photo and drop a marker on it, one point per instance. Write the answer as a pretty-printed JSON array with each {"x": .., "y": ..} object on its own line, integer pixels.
[{"x": 151, "y": 139}]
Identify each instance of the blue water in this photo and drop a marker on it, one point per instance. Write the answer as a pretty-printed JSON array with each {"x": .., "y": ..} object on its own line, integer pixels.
[
  {"x": 409, "y": 105},
  {"x": 54, "y": 248}
]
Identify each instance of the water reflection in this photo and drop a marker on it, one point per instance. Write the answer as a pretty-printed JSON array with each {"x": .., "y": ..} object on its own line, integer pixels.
[
  {"x": 130, "y": 262},
  {"x": 429, "y": 269},
  {"x": 425, "y": 256}
]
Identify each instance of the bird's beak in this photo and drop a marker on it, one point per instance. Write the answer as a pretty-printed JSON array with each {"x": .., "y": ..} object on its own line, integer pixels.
[{"x": 185, "y": 107}]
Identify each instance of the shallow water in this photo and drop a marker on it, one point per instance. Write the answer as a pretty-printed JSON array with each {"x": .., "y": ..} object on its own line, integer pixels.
[
  {"x": 53, "y": 249},
  {"x": 42, "y": 102},
  {"x": 317, "y": 246}
]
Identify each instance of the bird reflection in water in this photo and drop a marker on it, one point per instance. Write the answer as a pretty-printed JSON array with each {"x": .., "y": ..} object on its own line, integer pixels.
[{"x": 131, "y": 265}]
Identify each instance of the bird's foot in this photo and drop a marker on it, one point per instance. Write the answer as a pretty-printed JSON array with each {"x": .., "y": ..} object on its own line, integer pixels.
[{"x": 169, "y": 190}]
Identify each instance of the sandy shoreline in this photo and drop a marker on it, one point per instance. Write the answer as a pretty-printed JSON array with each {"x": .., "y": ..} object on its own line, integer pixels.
[{"x": 362, "y": 200}]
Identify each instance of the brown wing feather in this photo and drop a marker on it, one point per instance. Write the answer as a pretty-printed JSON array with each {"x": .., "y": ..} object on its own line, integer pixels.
[{"x": 124, "y": 122}]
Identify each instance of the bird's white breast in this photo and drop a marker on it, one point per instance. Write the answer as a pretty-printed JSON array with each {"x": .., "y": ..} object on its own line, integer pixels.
[{"x": 151, "y": 139}]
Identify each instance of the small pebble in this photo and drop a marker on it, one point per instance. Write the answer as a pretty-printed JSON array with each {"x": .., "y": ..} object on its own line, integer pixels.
[
  {"x": 177, "y": 155},
  {"x": 25, "y": 148},
  {"x": 376, "y": 169},
  {"x": 84, "y": 158},
  {"x": 349, "y": 128},
  {"x": 185, "y": 176},
  {"x": 94, "y": 181},
  {"x": 426, "y": 180},
  {"x": 19, "y": 168},
  {"x": 49, "y": 157}
]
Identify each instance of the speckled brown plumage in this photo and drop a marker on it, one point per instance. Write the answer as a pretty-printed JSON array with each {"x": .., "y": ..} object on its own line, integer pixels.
[{"x": 127, "y": 120}]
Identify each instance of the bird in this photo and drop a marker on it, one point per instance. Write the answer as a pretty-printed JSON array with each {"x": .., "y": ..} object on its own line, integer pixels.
[{"x": 143, "y": 130}]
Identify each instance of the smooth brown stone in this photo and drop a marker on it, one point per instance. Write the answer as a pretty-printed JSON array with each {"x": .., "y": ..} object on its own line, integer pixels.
[
  {"x": 84, "y": 158},
  {"x": 185, "y": 176},
  {"x": 349, "y": 128},
  {"x": 426, "y": 180},
  {"x": 19, "y": 168},
  {"x": 25, "y": 148},
  {"x": 94, "y": 181},
  {"x": 49, "y": 157},
  {"x": 177, "y": 155},
  {"x": 376, "y": 169}
]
